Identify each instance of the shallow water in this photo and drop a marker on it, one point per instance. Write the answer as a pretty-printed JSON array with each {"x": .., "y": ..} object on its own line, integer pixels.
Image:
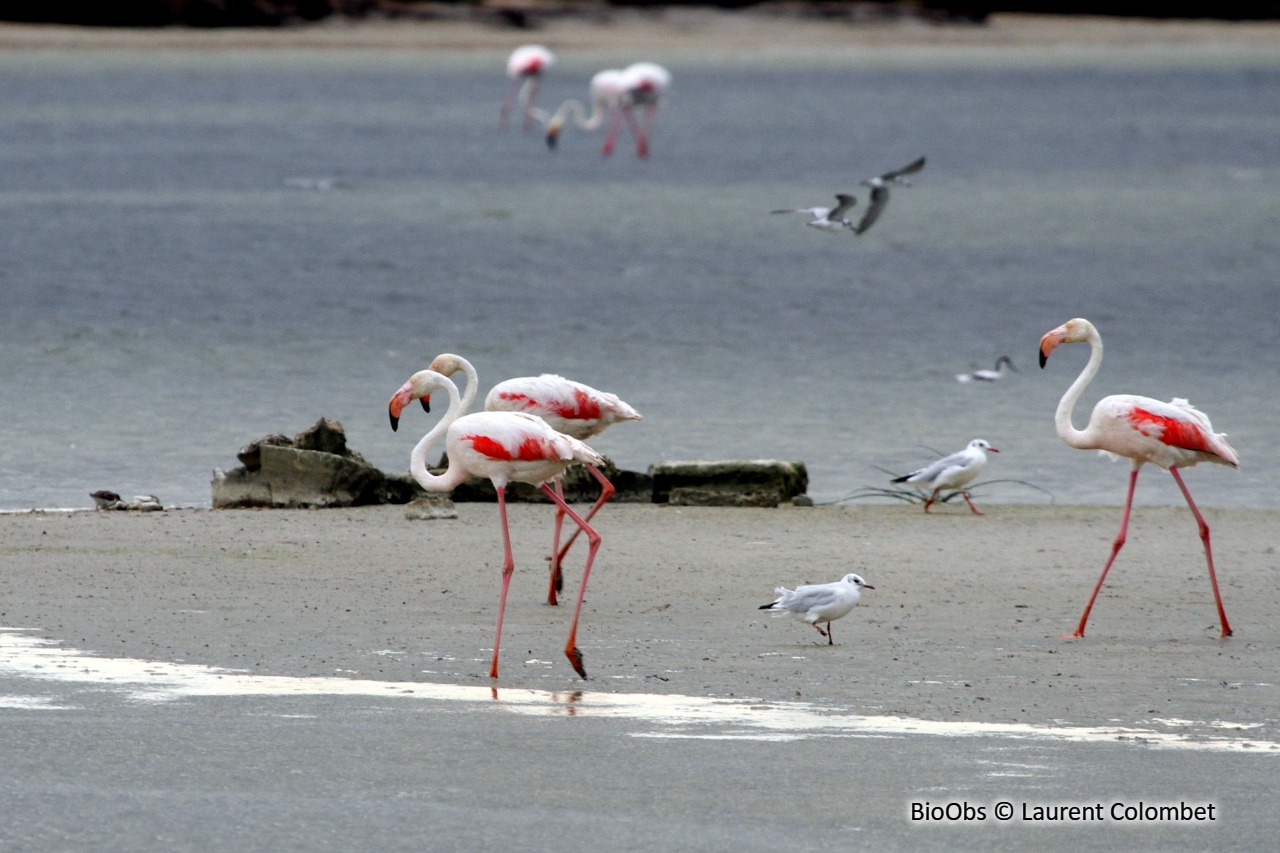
[{"x": 173, "y": 286}]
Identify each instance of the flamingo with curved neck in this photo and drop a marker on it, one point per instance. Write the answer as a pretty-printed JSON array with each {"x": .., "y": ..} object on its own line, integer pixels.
[
  {"x": 505, "y": 447},
  {"x": 1172, "y": 435},
  {"x": 614, "y": 94},
  {"x": 568, "y": 407}
]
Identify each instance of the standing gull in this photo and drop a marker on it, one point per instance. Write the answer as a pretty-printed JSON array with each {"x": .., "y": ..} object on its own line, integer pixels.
[
  {"x": 880, "y": 193},
  {"x": 820, "y": 602},
  {"x": 952, "y": 472},
  {"x": 826, "y": 218}
]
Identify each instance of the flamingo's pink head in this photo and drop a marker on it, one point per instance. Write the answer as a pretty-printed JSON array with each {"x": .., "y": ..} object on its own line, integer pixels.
[
  {"x": 1075, "y": 331},
  {"x": 419, "y": 387},
  {"x": 446, "y": 364}
]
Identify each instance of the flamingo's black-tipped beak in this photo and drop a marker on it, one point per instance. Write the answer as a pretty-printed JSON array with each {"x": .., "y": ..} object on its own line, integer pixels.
[
  {"x": 552, "y": 137},
  {"x": 395, "y": 422},
  {"x": 426, "y": 404},
  {"x": 1044, "y": 359}
]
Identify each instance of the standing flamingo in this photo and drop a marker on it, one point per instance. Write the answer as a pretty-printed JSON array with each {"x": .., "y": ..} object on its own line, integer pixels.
[
  {"x": 505, "y": 447},
  {"x": 614, "y": 94},
  {"x": 606, "y": 91},
  {"x": 646, "y": 83},
  {"x": 569, "y": 407},
  {"x": 1172, "y": 435},
  {"x": 525, "y": 67}
]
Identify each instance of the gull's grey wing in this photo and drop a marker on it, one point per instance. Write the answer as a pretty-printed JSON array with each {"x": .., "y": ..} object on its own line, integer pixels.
[
  {"x": 909, "y": 169},
  {"x": 879, "y": 198},
  {"x": 846, "y": 204},
  {"x": 806, "y": 598}
]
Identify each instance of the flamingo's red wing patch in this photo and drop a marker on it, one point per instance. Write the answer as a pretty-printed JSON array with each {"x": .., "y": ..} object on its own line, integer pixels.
[
  {"x": 1171, "y": 431},
  {"x": 530, "y": 449},
  {"x": 583, "y": 407}
]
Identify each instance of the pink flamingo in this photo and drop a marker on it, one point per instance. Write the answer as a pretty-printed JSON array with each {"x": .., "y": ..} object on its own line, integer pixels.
[
  {"x": 505, "y": 447},
  {"x": 568, "y": 407},
  {"x": 614, "y": 94},
  {"x": 1172, "y": 435},
  {"x": 646, "y": 83},
  {"x": 525, "y": 67}
]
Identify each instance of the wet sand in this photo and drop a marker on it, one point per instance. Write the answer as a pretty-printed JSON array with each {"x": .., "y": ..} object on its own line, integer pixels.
[{"x": 964, "y": 622}]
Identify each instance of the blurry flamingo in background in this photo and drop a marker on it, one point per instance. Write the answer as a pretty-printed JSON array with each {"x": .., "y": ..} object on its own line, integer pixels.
[
  {"x": 1172, "y": 435},
  {"x": 614, "y": 94},
  {"x": 525, "y": 67},
  {"x": 568, "y": 407},
  {"x": 606, "y": 91},
  {"x": 505, "y": 447},
  {"x": 646, "y": 83}
]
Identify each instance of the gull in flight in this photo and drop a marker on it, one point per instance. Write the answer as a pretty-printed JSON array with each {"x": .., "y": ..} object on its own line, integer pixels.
[
  {"x": 880, "y": 193},
  {"x": 820, "y": 602},
  {"x": 826, "y": 218},
  {"x": 952, "y": 472},
  {"x": 988, "y": 375}
]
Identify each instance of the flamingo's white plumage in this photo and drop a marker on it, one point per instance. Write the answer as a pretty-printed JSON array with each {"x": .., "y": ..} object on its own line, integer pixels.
[
  {"x": 952, "y": 472},
  {"x": 1172, "y": 435},
  {"x": 569, "y": 407},
  {"x": 525, "y": 67},
  {"x": 614, "y": 94},
  {"x": 505, "y": 447},
  {"x": 819, "y": 602}
]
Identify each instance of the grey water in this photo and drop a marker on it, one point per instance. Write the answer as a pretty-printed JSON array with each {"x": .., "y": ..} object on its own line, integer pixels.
[{"x": 202, "y": 248}]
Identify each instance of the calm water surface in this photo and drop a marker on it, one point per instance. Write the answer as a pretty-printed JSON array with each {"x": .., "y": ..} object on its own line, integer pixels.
[{"x": 173, "y": 289}]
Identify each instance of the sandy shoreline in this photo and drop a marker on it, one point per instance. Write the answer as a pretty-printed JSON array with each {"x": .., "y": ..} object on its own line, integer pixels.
[
  {"x": 964, "y": 623},
  {"x": 694, "y": 35}
]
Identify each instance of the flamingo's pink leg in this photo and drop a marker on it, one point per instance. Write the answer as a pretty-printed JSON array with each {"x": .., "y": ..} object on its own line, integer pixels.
[
  {"x": 611, "y": 132},
  {"x": 529, "y": 93},
  {"x": 1115, "y": 549},
  {"x": 606, "y": 492},
  {"x": 970, "y": 503},
  {"x": 571, "y": 647},
  {"x": 508, "y": 568},
  {"x": 557, "y": 579},
  {"x": 642, "y": 143},
  {"x": 1208, "y": 552},
  {"x": 508, "y": 103}
]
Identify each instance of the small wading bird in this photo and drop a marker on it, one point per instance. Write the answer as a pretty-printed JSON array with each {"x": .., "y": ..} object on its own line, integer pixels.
[
  {"x": 525, "y": 67},
  {"x": 826, "y": 218},
  {"x": 988, "y": 375},
  {"x": 952, "y": 472},
  {"x": 505, "y": 447},
  {"x": 569, "y": 407},
  {"x": 1172, "y": 435},
  {"x": 614, "y": 94},
  {"x": 821, "y": 602}
]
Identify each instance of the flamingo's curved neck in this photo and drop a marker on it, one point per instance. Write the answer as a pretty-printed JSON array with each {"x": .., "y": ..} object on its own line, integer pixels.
[
  {"x": 454, "y": 475},
  {"x": 1062, "y": 417},
  {"x": 578, "y": 112},
  {"x": 473, "y": 384}
]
